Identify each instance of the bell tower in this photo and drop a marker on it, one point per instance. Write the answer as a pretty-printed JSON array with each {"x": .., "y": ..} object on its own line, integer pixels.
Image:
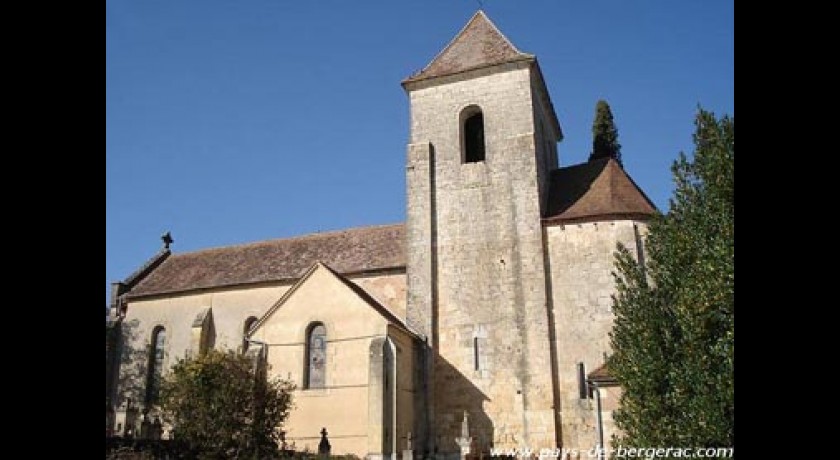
[{"x": 482, "y": 145}]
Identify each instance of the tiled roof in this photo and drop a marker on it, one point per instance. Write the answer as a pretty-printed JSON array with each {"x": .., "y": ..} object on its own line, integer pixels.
[
  {"x": 599, "y": 189},
  {"x": 479, "y": 44},
  {"x": 149, "y": 266},
  {"x": 348, "y": 251},
  {"x": 600, "y": 374}
]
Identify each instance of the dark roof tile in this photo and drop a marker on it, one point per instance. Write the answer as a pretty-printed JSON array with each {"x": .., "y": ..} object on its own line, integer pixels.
[
  {"x": 348, "y": 251},
  {"x": 598, "y": 189},
  {"x": 479, "y": 44},
  {"x": 602, "y": 375}
]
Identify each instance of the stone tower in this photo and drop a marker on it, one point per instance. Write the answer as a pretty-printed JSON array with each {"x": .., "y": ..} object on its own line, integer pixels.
[{"x": 482, "y": 144}]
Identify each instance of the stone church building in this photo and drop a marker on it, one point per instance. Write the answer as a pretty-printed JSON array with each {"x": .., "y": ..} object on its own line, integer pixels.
[{"x": 491, "y": 302}]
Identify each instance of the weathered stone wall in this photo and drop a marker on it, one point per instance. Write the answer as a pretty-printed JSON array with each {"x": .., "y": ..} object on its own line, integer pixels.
[
  {"x": 546, "y": 141},
  {"x": 480, "y": 223},
  {"x": 230, "y": 309},
  {"x": 581, "y": 262}
]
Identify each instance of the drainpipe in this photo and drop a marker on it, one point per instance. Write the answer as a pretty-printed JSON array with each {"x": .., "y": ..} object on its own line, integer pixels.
[{"x": 600, "y": 422}]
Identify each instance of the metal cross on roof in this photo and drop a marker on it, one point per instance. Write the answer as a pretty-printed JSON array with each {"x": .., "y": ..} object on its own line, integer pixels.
[{"x": 167, "y": 240}]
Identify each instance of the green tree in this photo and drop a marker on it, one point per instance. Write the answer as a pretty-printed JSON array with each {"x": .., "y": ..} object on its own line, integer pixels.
[
  {"x": 604, "y": 134},
  {"x": 225, "y": 407},
  {"x": 674, "y": 333}
]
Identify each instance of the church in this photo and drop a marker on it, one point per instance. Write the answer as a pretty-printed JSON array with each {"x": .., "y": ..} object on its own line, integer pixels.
[{"x": 480, "y": 323}]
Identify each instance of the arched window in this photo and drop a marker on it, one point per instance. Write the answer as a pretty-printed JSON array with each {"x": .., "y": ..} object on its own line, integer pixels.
[
  {"x": 249, "y": 323},
  {"x": 472, "y": 134},
  {"x": 316, "y": 356},
  {"x": 155, "y": 368}
]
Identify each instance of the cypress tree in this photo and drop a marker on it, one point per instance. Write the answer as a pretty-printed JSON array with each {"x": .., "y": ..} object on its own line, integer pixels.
[{"x": 604, "y": 134}]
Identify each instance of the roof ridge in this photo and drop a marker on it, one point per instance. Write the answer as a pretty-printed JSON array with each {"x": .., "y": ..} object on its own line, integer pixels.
[
  {"x": 612, "y": 178},
  {"x": 147, "y": 267},
  {"x": 639, "y": 189},
  {"x": 449, "y": 45},
  {"x": 478, "y": 27},
  {"x": 501, "y": 34},
  {"x": 369, "y": 298},
  {"x": 353, "y": 250},
  {"x": 305, "y": 236},
  {"x": 359, "y": 291},
  {"x": 283, "y": 298},
  {"x": 623, "y": 173}
]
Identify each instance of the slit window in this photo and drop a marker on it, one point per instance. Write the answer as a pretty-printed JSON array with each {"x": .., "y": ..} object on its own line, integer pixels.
[{"x": 476, "y": 358}]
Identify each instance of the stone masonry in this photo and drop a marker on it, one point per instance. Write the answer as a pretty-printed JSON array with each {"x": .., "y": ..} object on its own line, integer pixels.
[
  {"x": 478, "y": 234},
  {"x": 469, "y": 328}
]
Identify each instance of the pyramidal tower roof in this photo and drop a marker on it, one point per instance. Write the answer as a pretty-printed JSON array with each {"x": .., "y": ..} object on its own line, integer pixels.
[
  {"x": 479, "y": 44},
  {"x": 595, "y": 190}
]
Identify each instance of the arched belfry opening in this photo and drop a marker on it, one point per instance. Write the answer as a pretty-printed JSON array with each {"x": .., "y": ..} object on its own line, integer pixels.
[{"x": 472, "y": 135}]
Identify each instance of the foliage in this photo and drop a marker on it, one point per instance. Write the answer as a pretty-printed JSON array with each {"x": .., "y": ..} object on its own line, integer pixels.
[
  {"x": 604, "y": 134},
  {"x": 674, "y": 333},
  {"x": 224, "y": 407}
]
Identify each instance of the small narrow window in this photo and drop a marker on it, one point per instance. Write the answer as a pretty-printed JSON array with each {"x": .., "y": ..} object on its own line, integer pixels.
[
  {"x": 316, "y": 356},
  {"x": 582, "y": 387},
  {"x": 472, "y": 133},
  {"x": 249, "y": 323},
  {"x": 476, "y": 360},
  {"x": 155, "y": 368}
]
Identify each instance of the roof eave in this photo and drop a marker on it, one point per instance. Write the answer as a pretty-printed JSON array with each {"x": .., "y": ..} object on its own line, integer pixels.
[
  {"x": 599, "y": 217},
  {"x": 395, "y": 269},
  {"x": 146, "y": 268},
  {"x": 604, "y": 381},
  {"x": 413, "y": 81}
]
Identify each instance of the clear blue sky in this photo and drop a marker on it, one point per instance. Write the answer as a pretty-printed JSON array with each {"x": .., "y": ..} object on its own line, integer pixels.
[{"x": 229, "y": 122}]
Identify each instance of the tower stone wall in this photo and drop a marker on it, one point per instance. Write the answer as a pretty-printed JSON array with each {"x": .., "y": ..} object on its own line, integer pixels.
[
  {"x": 476, "y": 270},
  {"x": 581, "y": 260}
]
